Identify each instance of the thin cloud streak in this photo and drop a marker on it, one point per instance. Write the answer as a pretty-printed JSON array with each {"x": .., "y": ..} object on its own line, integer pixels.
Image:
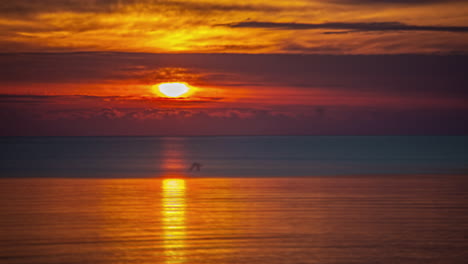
[
  {"x": 354, "y": 27},
  {"x": 394, "y": 2}
]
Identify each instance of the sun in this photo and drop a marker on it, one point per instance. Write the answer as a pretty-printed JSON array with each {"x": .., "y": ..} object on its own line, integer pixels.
[{"x": 173, "y": 89}]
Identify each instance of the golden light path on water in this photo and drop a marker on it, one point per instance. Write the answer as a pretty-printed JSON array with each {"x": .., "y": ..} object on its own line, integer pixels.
[
  {"x": 173, "y": 200},
  {"x": 173, "y": 219}
]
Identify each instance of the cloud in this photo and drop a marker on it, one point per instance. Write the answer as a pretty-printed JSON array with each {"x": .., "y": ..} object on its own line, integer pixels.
[
  {"x": 24, "y": 99},
  {"x": 22, "y": 8},
  {"x": 355, "y": 27},
  {"x": 28, "y": 7},
  {"x": 148, "y": 75},
  {"x": 299, "y": 48},
  {"x": 176, "y": 26},
  {"x": 71, "y": 103},
  {"x": 34, "y": 7},
  {"x": 231, "y": 121},
  {"x": 394, "y": 2}
]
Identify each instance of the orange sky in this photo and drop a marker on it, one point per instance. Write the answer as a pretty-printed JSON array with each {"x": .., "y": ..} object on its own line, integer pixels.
[{"x": 207, "y": 26}]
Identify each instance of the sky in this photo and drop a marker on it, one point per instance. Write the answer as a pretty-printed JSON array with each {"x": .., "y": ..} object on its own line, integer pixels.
[{"x": 296, "y": 67}]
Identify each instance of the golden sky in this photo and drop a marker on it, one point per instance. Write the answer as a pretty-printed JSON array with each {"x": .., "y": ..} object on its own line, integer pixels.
[{"x": 227, "y": 26}]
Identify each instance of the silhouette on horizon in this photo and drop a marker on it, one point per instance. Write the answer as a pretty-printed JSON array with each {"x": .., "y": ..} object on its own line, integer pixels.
[{"x": 195, "y": 167}]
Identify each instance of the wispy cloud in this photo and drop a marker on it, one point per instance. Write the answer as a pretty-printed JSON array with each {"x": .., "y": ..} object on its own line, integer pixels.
[{"x": 31, "y": 8}]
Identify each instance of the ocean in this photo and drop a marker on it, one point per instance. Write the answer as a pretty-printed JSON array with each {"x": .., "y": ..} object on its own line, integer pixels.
[{"x": 255, "y": 200}]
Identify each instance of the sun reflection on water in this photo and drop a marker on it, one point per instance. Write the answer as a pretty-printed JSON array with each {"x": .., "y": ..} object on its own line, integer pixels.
[
  {"x": 173, "y": 212},
  {"x": 173, "y": 162}
]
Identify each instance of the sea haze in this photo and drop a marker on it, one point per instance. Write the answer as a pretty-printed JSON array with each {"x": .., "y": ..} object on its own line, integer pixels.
[{"x": 259, "y": 156}]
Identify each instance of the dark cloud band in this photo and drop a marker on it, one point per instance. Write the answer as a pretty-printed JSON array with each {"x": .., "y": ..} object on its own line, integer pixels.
[
  {"x": 31, "y": 7},
  {"x": 393, "y": 2},
  {"x": 356, "y": 27}
]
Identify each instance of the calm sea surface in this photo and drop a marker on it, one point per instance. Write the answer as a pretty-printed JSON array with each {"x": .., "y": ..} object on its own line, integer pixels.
[
  {"x": 132, "y": 200},
  {"x": 235, "y": 220}
]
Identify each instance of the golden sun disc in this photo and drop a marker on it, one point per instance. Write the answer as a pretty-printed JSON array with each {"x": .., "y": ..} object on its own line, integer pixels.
[{"x": 173, "y": 89}]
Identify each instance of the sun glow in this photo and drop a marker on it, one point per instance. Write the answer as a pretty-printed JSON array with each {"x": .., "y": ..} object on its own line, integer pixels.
[{"x": 173, "y": 89}]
